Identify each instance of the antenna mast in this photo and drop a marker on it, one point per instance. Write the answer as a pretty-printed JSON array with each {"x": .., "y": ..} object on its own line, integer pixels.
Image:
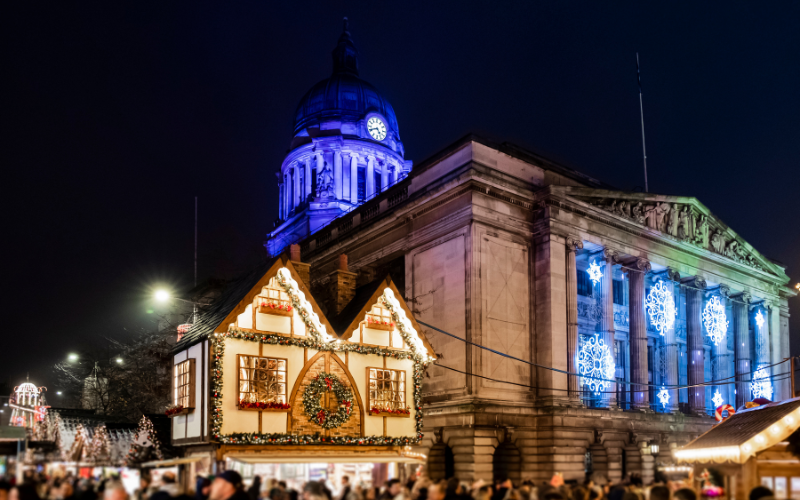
[
  {"x": 641, "y": 113},
  {"x": 194, "y": 304}
]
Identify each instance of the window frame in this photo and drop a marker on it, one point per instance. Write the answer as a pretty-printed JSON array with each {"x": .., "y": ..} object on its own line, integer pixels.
[
  {"x": 239, "y": 381},
  {"x": 405, "y": 394},
  {"x": 191, "y": 384}
]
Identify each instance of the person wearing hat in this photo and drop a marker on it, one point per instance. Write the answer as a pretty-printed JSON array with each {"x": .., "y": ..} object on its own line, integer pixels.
[{"x": 227, "y": 486}]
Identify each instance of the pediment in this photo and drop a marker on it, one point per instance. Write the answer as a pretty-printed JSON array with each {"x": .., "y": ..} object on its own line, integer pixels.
[{"x": 682, "y": 218}]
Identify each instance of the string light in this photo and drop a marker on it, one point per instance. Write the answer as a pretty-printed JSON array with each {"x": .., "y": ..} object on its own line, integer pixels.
[
  {"x": 717, "y": 399},
  {"x": 761, "y": 386},
  {"x": 759, "y": 319},
  {"x": 661, "y": 307},
  {"x": 714, "y": 320},
  {"x": 663, "y": 397}
]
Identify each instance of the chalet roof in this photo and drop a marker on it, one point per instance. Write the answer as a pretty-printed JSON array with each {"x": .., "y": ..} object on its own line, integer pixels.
[
  {"x": 120, "y": 432},
  {"x": 354, "y": 307},
  {"x": 233, "y": 293},
  {"x": 745, "y": 433}
]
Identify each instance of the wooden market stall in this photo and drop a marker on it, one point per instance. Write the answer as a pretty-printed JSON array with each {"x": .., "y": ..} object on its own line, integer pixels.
[{"x": 756, "y": 446}]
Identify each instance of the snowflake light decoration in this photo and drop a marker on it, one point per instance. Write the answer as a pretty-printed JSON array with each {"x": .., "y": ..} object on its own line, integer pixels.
[
  {"x": 714, "y": 319},
  {"x": 595, "y": 361},
  {"x": 759, "y": 319},
  {"x": 661, "y": 307},
  {"x": 663, "y": 397},
  {"x": 761, "y": 386},
  {"x": 595, "y": 273},
  {"x": 717, "y": 399}
]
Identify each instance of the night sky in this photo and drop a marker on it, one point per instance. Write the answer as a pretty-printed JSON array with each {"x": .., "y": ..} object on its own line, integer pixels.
[{"x": 116, "y": 115}]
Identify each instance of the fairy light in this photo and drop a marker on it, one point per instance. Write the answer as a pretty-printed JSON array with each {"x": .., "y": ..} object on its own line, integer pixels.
[
  {"x": 661, "y": 307},
  {"x": 595, "y": 273},
  {"x": 596, "y": 362},
  {"x": 715, "y": 320},
  {"x": 759, "y": 319},
  {"x": 717, "y": 399},
  {"x": 663, "y": 397}
]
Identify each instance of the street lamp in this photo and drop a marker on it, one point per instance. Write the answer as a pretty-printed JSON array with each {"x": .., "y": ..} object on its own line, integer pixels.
[
  {"x": 72, "y": 357},
  {"x": 162, "y": 295},
  {"x": 58, "y": 393},
  {"x": 119, "y": 360}
]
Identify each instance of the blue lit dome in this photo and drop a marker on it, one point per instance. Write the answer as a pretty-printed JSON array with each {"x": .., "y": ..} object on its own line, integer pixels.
[{"x": 344, "y": 96}]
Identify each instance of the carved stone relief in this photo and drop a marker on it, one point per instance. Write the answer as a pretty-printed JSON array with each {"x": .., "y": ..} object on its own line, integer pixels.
[{"x": 683, "y": 223}]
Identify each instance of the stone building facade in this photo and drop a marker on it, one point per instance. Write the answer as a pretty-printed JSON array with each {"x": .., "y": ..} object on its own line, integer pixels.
[{"x": 496, "y": 247}]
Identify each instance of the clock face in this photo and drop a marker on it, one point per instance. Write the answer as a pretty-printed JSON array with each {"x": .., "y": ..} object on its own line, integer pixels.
[{"x": 376, "y": 128}]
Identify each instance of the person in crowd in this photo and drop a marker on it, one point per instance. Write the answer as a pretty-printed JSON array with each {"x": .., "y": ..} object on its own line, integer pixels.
[
  {"x": 436, "y": 491},
  {"x": 143, "y": 493},
  {"x": 201, "y": 488},
  {"x": 502, "y": 489},
  {"x": 25, "y": 491},
  {"x": 685, "y": 494},
  {"x": 227, "y": 486},
  {"x": 659, "y": 492},
  {"x": 170, "y": 489},
  {"x": 761, "y": 492},
  {"x": 484, "y": 492},
  {"x": 344, "y": 493},
  {"x": 114, "y": 490},
  {"x": 393, "y": 488},
  {"x": 5, "y": 486},
  {"x": 314, "y": 490},
  {"x": 254, "y": 491}
]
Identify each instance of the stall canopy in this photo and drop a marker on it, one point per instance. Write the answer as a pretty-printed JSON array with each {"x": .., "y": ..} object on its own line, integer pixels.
[
  {"x": 744, "y": 434},
  {"x": 330, "y": 455}
]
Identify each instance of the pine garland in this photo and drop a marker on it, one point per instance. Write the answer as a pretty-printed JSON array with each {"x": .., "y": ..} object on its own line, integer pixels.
[
  {"x": 322, "y": 383},
  {"x": 218, "y": 350}
]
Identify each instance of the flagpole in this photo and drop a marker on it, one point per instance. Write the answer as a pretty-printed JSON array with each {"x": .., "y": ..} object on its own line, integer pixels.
[{"x": 641, "y": 113}]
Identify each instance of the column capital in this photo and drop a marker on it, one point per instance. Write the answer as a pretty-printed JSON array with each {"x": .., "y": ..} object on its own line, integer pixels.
[
  {"x": 695, "y": 281},
  {"x": 743, "y": 297},
  {"x": 640, "y": 264},
  {"x": 611, "y": 256},
  {"x": 573, "y": 243},
  {"x": 724, "y": 290},
  {"x": 673, "y": 274}
]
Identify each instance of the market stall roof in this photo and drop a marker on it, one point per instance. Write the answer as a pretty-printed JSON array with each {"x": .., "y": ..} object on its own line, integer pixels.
[
  {"x": 346, "y": 455},
  {"x": 744, "y": 434}
]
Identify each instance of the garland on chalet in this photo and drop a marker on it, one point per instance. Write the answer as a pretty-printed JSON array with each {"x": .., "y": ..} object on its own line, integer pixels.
[
  {"x": 322, "y": 383},
  {"x": 218, "y": 350},
  {"x": 319, "y": 340},
  {"x": 145, "y": 444},
  {"x": 100, "y": 451}
]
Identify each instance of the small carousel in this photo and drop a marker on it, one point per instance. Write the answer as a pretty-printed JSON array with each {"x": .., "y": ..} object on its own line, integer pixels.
[{"x": 28, "y": 406}]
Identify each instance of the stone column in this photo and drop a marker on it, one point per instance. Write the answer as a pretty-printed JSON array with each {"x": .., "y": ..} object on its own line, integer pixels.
[
  {"x": 281, "y": 199},
  {"x": 353, "y": 178},
  {"x": 607, "y": 321},
  {"x": 319, "y": 164},
  {"x": 694, "y": 344},
  {"x": 296, "y": 186},
  {"x": 638, "y": 334},
  {"x": 384, "y": 175},
  {"x": 573, "y": 244},
  {"x": 719, "y": 353},
  {"x": 780, "y": 390},
  {"x": 370, "y": 180},
  {"x": 741, "y": 347},
  {"x": 337, "y": 174},
  {"x": 671, "y": 343},
  {"x": 395, "y": 173}
]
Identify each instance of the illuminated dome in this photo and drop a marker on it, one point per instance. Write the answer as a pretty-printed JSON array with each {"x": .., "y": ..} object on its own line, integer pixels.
[
  {"x": 343, "y": 97},
  {"x": 27, "y": 387}
]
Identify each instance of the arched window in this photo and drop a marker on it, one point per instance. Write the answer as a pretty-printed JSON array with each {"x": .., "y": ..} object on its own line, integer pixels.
[{"x": 507, "y": 463}]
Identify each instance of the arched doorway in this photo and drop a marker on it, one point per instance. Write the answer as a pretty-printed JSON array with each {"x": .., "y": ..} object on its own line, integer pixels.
[
  {"x": 507, "y": 463},
  {"x": 441, "y": 463}
]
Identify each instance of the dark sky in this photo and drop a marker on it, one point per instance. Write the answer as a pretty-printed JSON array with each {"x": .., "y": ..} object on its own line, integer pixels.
[{"x": 116, "y": 114}]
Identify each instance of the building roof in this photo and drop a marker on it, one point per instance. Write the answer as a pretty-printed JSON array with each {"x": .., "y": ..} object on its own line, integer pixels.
[
  {"x": 353, "y": 309},
  {"x": 233, "y": 293},
  {"x": 745, "y": 433},
  {"x": 344, "y": 96}
]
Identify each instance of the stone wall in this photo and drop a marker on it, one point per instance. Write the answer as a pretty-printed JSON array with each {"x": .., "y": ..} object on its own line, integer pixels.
[{"x": 302, "y": 424}]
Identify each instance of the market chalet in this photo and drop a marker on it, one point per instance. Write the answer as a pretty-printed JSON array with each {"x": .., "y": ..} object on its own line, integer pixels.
[{"x": 265, "y": 371}]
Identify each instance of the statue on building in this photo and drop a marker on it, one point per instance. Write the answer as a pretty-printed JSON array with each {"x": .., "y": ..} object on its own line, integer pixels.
[
  {"x": 662, "y": 211},
  {"x": 638, "y": 213},
  {"x": 717, "y": 242},
  {"x": 674, "y": 219},
  {"x": 325, "y": 184},
  {"x": 684, "y": 229},
  {"x": 701, "y": 232}
]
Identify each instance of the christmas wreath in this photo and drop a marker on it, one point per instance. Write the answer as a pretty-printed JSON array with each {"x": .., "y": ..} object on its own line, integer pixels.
[{"x": 322, "y": 383}]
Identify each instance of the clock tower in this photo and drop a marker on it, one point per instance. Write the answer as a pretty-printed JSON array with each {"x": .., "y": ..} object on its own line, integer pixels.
[{"x": 345, "y": 150}]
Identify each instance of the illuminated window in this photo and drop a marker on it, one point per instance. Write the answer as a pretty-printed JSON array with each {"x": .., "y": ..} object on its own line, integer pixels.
[
  {"x": 584, "y": 284},
  {"x": 274, "y": 300},
  {"x": 183, "y": 384},
  {"x": 387, "y": 390},
  {"x": 262, "y": 380},
  {"x": 379, "y": 318}
]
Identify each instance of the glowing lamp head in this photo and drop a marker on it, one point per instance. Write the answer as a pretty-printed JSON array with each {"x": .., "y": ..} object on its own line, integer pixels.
[
  {"x": 72, "y": 357},
  {"x": 162, "y": 295},
  {"x": 119, "y": 360}
]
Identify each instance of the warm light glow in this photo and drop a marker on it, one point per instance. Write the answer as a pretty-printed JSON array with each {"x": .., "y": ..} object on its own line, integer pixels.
[
  {"x": 596, "y": 362},
  {"x": 717, "y": 399},
  {"x": 162, "y": 295},
  {"x": 714, "y": 320},
  {"x": 595, "y": 273},
  {"x": 72, "y": 357},
  {"x": 119, "y": 360},
  {"x": 58, "y": 392},
  {"x": 661, "y": 307}
]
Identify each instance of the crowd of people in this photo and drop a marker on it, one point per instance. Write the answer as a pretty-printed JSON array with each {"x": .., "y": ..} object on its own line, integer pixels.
[{"x": 229, "y": 485}]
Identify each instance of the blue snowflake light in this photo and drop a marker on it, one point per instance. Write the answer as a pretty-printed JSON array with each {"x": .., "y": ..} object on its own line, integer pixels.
[
  {"x": 595, "y": 360},
  {"x": 595, "y": 273},
  {"x": 661, "y": 307},
  {"x": 761, "y": 386},
  {"x": 759, "y": 319},
  {"x": 714, "y": 320},
  {"x": 663, "y": 397},
  {"x": 717, "y": 399}
]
